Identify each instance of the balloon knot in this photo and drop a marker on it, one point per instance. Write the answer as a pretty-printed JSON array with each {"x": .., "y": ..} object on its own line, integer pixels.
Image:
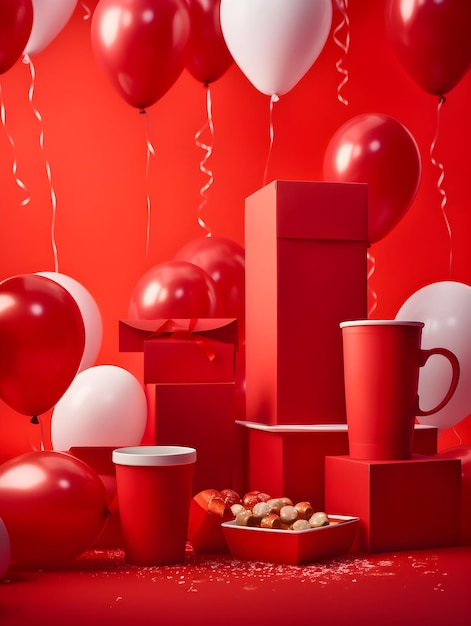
[
  {"x": 107, "y": 513},
  {"x": 142, "y": 111},
  {"x": 34, "y": 419},
  {"x": 441, "y": 99}
]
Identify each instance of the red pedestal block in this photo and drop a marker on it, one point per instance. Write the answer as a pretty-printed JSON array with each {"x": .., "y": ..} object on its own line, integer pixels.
[
  {"x": 402, "y": 505},
  {"x": 306, "y": 271},
  {"x": 289, "y": 460},
  {"x": 201, "y": 416}
]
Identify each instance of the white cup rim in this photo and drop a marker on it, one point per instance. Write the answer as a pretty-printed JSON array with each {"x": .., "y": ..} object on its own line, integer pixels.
[
  {"x": 350, "y": 323},
  {"x": 152, "y": 456}
]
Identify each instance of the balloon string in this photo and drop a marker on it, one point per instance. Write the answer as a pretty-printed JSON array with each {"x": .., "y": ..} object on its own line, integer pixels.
[
  {"x": 208, "y": 152},
  {"x": 36, "y": 420},
  {"x": 457, "y": 435},
  {"x": 344, "y": 46},
  {"x": 14, "y": 168},
  {"x": 150, "y": 152},
  {"x": 373, "y": 295},
  {"x": 27, "y": 60},
  {"x": 274, "y": 98},
  {"x": 439, "y": 165},
  {"x": 88, "y": 13}
]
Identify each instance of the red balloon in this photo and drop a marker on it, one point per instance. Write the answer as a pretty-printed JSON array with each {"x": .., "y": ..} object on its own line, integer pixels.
[
  {"x": 42, "y": 338},
  {"x": 208, "y": 54},
  {"x": 16, "y": 22},
  {"x": 174, "y": 290},
  {"x": 431, "y": 40},
  {"x": 224, "y": 260},
  {"x": 378, "y": 150},
  {"x": 141, "y": 45},
  {"x": 463, "y": 453},
  {"x": 53, "y": 505}
]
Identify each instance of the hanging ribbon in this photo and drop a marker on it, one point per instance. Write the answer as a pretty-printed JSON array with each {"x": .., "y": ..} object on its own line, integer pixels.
[
  {"x": 88, "y": 13},
  {"x": 14, "y": 168},
  {"x": 344, "y": 46},
  {"x": 150, "y": 152},
  {"x": 207, "y": 147},
  {"x": 27, "y": 61},
  {"x": 441, "y": 190},
  {"x": 373, "y": 297},
  {"x": 274, "y": 98}
]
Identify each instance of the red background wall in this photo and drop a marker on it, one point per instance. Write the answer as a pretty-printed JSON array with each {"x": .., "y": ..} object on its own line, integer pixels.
[{"x": 95, "y": 144}]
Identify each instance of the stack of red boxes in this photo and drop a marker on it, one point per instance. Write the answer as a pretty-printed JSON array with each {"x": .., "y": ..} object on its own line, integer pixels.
[
  {"x": 306, "y": 271},
  {"x": 189, "y": 373}
]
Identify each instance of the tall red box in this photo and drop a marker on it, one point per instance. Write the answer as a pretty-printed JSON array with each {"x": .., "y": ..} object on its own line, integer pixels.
[
  {"x": 189, "y": 372},
  {"x": 289, "y": 460},
  {"x": 306, "y": 271},
  {"x": 402, "y": 505}
]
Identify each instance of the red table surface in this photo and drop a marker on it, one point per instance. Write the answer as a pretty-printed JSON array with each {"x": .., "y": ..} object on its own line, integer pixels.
[{"x": 422, "y": 587}]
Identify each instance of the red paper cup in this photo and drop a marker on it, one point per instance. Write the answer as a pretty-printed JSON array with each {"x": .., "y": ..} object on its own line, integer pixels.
[
  {"x": 154, "y": 485},
  {"x": 382, "y": 360}
]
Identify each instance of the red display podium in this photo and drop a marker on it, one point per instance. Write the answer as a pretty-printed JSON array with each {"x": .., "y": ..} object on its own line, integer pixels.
[
  {"x": 289, "y": 460},
  {"x": 306, "y": 271},
  {"x": 402, "y": 505}
]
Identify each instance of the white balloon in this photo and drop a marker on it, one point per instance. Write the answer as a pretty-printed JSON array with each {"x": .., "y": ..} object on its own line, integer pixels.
[
  {"x": 445, "y": 309},
  {"x": 90, "y": 314},
  {"x": 104, "y": 406},
  {"x": 275, "y": 42},
  {"x": 49, "y": 18},
  {"x": 5, "y": 549}
]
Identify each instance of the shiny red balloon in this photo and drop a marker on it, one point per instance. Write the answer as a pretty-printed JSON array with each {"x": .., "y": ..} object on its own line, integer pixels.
[
  {"x": 463, "y": 453},
  {"x": 378, "y": 150},
  {"x": 141, "y": 45},
  {"x": 208, "y": 55},
  {"x": 224, "y": 260},
  {"x": 42, "y": 339},
  {"x": 53, "y": 505},
  {"x": 16, "y": 22},
  {"x": 431, "y": 40},
  {"x": 174, "y": 290}
]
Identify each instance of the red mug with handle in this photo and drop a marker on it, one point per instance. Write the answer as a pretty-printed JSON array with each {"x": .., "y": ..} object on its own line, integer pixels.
[{"x": 382, "y": 361}]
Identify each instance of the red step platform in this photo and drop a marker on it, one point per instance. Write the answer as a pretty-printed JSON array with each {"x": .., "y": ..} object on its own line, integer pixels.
[
  {"x": 289, "y": 460},
  {"x": 402, "y": 505}
]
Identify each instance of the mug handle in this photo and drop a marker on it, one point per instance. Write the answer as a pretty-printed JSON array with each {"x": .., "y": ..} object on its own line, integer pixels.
[{"x": 425, "y": 354}]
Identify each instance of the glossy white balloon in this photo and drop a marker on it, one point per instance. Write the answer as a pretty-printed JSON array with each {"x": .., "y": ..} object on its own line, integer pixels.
[
  {"x": 5, "y": 549},
  {"x": 49, "y": 18},
  {"x": 275, "y": 42},
  {"x": 91, "y": 315},
  {"x": 445, "y": 309},
  {"x": 104, "y": 406}
]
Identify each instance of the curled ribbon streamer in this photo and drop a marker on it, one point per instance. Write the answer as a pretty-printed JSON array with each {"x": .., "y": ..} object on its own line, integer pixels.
[
  {"x": 150, "y": 152},
  {"x": 208, "y": 152},
  {"x": 343, "y": 45},
  {"x": 179, "y": 331},
  {"x": 372, "y": 292},
  {"x": 14, "y": 168},
  {"x": 88, "y": 13},
  {"x": 27, "y": 61},
  {"x": 274, "y": 98},
  {"x": 439, "y": 165}
]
